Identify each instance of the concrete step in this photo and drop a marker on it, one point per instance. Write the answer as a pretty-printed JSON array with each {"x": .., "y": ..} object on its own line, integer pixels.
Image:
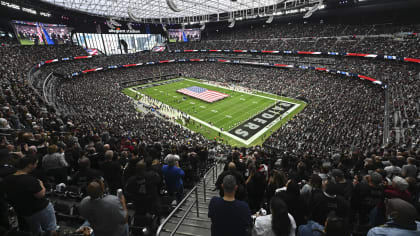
[
  {"x": 190, "y": 229},
  {"x": 194, "y": 223}
]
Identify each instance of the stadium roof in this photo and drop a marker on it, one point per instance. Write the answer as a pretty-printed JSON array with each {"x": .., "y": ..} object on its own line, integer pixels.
[{"x": 166, "y": 9}]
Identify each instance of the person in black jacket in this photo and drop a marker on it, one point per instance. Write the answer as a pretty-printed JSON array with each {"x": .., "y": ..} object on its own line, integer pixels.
[
  {"x": 143, "y": 189},
  {"x": 291, "y": 196},
  {"x": 241, "y": 193},
  {"x": 328, "y": 201},
  {"x": 255, "y": 186},
  {"x": 112, "y": 172},
  {"x": 85, "y": 174}
]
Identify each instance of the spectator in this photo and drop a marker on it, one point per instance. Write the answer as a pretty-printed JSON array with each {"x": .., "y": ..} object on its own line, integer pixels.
[
  {"x": 277, "y": 180},
  {"x": 410, "y": 170},
  {"x": 333, "y": 226},
  {"x": 173, "y": 177},
  {"x": 112, "y": 170},
  {"x": 241, "y": 193},
  {"x": 143, "y": 190},
  {"x": 326, "y": 202},
  {"x": 402, "y": 220},
  {"x": 85, "y": 174},
  {"x": 393, "y": 169},
  {"x": 368, "y": 194},
  {"x": 278, "y": 223},
  {"x": 106, "y": 214},
  {"x": 27, "y": 196},
  {"x": 398, "y": 189},
  {"x": 55, "y": 164},
  {"x": 344, "y": 186},
  {"x": 228, "y": 215},
  {"x": 309, "y": 189},
  {"x": 255, "y": 185},
  {"x": 290, "y": 194}
]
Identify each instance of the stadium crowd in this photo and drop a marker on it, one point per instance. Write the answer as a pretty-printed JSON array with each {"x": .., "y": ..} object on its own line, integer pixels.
[{"x": 325, "y": 170}]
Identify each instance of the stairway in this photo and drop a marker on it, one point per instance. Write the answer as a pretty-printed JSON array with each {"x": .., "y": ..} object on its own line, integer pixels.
[{"x": 185, "y": 214}]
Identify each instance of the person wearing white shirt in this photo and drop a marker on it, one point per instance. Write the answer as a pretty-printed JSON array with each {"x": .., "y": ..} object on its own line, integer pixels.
[{"x": 278, "y": 223}]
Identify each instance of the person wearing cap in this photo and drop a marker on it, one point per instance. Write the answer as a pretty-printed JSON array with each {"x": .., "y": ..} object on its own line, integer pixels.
[
  {"x": 228, "y": 215},
  {"x": 401, "y": 221}
]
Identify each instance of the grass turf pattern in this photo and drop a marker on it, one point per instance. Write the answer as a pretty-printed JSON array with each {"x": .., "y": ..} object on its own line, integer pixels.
[{"x": 227, "y": 113}]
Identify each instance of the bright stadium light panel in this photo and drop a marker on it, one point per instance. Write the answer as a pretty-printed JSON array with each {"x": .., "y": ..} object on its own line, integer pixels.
[{"x": 159, "y": 8}]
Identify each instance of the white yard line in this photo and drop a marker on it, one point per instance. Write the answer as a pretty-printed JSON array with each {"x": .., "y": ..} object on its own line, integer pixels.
[{"x": 246, "y": 142}]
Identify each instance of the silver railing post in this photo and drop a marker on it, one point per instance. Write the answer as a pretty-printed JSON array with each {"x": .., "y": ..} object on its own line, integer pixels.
[
  {"x": 213, "y": 175},
  {"x": 204, "y": 185},
  {"x": 196, "y": 201}
]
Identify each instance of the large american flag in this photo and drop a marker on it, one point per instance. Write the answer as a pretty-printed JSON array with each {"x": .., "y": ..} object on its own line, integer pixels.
[{"x": 203, "y": 94}]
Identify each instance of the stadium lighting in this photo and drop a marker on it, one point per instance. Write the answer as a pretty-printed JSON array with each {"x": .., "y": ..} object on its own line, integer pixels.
[
  {"x": 133, "y": 17},
  {"x": 232, "y": 22},
  {"x": 270, "y": 19},
  {"x": 110, "y": 25},
  {"x": 129, "y": 26},
  {"x": 172, "y": 6},
  {"x": 313, "y": 9}
]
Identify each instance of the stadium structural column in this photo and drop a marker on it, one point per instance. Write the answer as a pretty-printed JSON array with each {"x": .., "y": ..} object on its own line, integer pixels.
[
  {"x": 84, "y": 36},
  {"x": 77, "y": 38},
  {"x": 386, "y": 117},
  {"x": 103, "y": 44},
  {"x": 119, "y": 43}
]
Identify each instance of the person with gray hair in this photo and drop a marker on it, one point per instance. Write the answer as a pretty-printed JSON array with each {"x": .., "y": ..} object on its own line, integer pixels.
[
  {"x": 173, "y": 175},
  {"x": 228, "y": 215},
  {"x": 171, "y": 159}
]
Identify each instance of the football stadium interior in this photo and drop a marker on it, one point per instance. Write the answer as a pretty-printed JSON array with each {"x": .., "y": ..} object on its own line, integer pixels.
[{"x": 209, "y": 117}]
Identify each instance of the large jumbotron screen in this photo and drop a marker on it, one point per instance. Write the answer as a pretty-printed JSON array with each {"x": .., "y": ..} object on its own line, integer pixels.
[
  {"x": 36, "y": 33},
  {"x": 184, "y": 35}
]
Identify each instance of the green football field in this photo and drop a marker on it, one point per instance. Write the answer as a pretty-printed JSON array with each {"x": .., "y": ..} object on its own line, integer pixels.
[{"x": 209, "y": 118}]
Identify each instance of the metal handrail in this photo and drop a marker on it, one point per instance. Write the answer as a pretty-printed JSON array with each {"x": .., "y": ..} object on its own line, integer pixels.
[
  {"x": 195, "y": 189},
  {"x": 184, "y": 216},
  {"x": 174, "y": 210}
]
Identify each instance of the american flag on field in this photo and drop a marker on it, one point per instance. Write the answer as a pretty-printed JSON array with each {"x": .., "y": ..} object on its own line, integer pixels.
[
  {"x": 92, "y": 51},
  {"x": 203, "y": 94}
]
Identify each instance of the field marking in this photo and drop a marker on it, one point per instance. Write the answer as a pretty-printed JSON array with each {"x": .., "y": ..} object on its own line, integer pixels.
[
  {"x": 228, "y": 116},
  {"x": 203, "y": 107},
  {"x": 255, "y": 136},
  {"x": 214, "y": 111},
  {"x": 192, "y": 103}
]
